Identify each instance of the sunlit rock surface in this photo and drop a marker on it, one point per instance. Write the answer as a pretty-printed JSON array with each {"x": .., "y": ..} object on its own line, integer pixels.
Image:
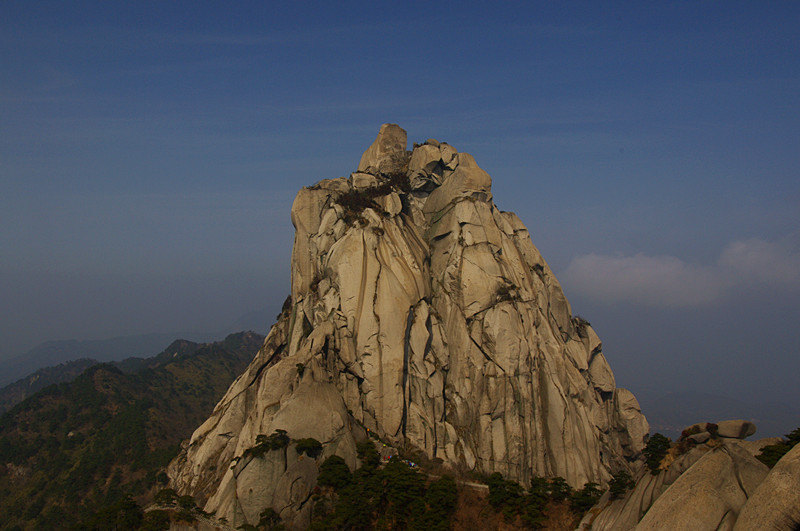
[
  {"x": 710, "y": 494},
  {"x": 704, "y": 488},
  {"x": 776, "y": 502},
  {"x": 427, "y": 316}
]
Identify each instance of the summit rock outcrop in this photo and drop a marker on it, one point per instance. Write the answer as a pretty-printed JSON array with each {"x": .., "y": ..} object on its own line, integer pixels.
[{"x": 422, "y": 315}]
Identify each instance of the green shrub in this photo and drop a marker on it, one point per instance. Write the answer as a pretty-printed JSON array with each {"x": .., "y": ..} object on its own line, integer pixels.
[
  {"x": 503, "y": 492},
  {"x": 540, "y": 487},
  {"x": 533, "y": 504},
  {"x": 370, "y": 458},
  {"x": 335, "y": 473},
  {"x": 441, "y": 498},
  {"x": 508, "y": 497},
  {"x": 310, "y": 447},
  {"x": 392, "y": 497},
  {"x": 688, "y": 432},
  {"x": 559, "y": 489},
  {"x": 771, "y": 454},
  {"x": 185, "y": 515},
  {"x": 620, "y": 484},
  {"x": 165, "y": 497},
  {"x": 655, "y": 451},
  {"x": 186, "y": 502},
  {"x": 512, "y": 501},
  {"x": 584, "y": 499},
  {"x": 124, "y": 514},
  {"x": 404, "y": 490},
  {"x": 277, "y": 441}
]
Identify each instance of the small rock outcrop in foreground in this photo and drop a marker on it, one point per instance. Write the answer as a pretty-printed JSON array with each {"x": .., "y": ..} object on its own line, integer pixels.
[{"x": 710, "y": 479}]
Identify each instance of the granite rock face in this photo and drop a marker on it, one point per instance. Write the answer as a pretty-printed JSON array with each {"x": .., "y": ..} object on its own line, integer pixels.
[
  {"x": 624, "y": 513},
  {"x": 776, "y": 502},
  {"x": 421, "y": 312},
  {"x": 736, "y": 429},
  {"x": 704, "y": 488},
  {"x": 710, "y": 494}
]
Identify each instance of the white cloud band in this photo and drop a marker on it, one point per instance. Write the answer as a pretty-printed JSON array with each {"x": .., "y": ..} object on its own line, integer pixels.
[{"x": 669, "y": 281}]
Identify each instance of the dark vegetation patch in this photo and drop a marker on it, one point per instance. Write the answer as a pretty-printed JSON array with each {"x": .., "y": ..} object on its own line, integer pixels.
[
  {"x": 685, "y": 443},
  {"x": 354, "y": 202},
  {"x": 655, "y": 451},
  {"x": 287, "y": 304},
  {"x": 584, "y": 499},
  {"x": 530, "y": 508},
  {"x": 693, "y": 430},
  {"x": 395, "y": 496},
  {"x": 771, "y": 454},
  {"x": 506, "y": 292},
  {"x": 314, "y": 284},
  {"x": 620, "y": 483},
  {"x": 267, "y": 443},
  {"x": 311, "y": 447},
  {"x": 82, "y": 454}
]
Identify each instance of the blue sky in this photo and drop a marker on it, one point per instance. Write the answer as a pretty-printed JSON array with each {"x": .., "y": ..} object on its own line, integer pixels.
[{"x": 149, "y": 154}]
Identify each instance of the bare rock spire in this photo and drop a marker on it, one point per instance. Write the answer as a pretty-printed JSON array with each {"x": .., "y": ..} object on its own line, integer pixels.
[
  {"x": 387, "y": 153},
  {"x": 425, "y": 316}
]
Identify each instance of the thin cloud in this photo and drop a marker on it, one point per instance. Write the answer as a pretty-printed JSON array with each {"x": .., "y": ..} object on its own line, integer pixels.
[
  {"x": 771, "y": 263},
  {"x": 649, "y": 280},
  {"x": 671, "y": 282}
]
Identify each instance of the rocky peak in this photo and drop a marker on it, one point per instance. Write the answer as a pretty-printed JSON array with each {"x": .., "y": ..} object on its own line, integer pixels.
[
  {"x": 387, "y": 153},
  {"x": 424, "y": 316}
]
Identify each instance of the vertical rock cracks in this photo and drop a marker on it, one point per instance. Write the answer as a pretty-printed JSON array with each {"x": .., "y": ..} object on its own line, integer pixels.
[
  {"x": 430, "y": 319},
  {"x": 406, "y": 351}
]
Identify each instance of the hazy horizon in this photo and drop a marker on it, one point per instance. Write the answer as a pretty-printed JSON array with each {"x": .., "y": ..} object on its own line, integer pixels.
[{"x": 150, "y": 153}]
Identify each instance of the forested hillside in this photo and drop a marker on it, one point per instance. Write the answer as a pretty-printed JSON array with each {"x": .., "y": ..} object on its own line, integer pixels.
[{"x": 73, "y": 449}]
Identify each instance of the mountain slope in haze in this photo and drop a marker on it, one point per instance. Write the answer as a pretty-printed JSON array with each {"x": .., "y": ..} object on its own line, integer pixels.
[
  {"x": 73, "y": 448},
  {"x": 177, "y": 350},
  {"x": 52, "y": 353},
  {"x": 16, "y": 392}
]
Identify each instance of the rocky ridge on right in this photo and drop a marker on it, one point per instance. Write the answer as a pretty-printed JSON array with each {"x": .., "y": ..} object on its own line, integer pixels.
[{"x": 709, "y": 479}]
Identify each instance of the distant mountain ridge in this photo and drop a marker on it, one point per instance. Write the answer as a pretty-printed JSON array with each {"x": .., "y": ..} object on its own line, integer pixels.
[
  {"x": 51, "y": 353},
  {"x": 73, "y": 449},
  {"x": 177, "y": 350},
  {"x": 55, "y": 352},
  {"x": 16, "y": 392}
]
